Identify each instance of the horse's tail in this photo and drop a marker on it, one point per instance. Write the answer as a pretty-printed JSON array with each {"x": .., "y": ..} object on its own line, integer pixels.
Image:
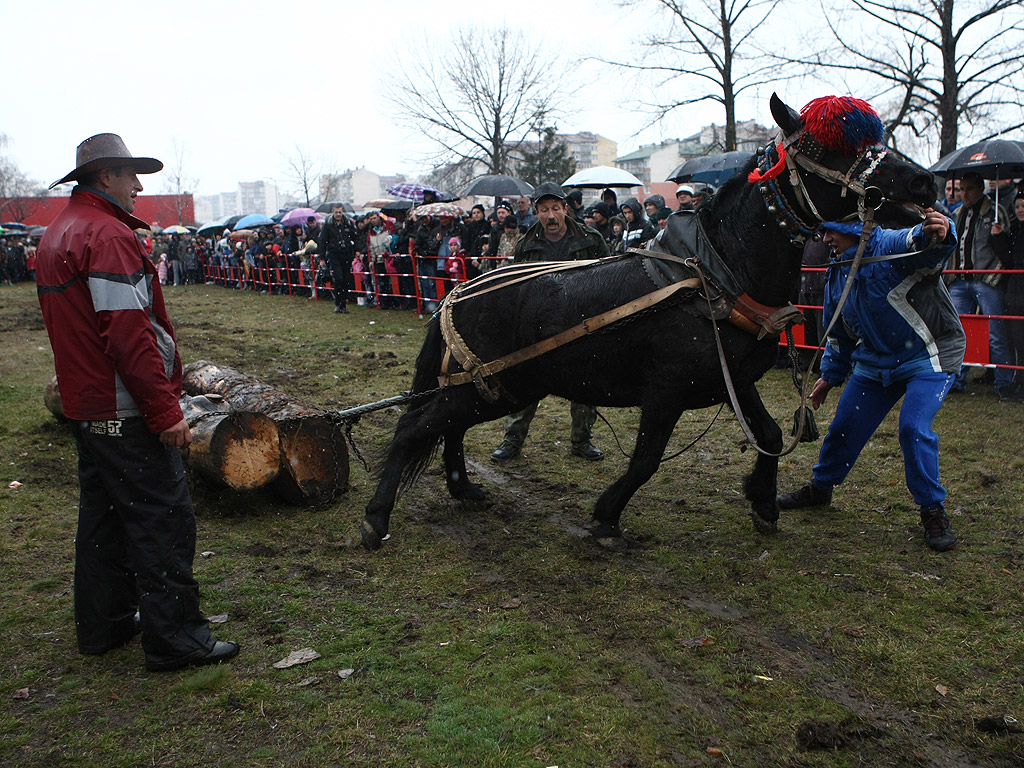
[
  {"x": 428, "y": 363},
  {"x": 428, "y": 366}
]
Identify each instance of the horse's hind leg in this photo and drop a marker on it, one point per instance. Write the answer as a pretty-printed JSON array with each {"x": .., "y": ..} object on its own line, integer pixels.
[
  {"x": 656, "y": 425},
  {"x": 761, "y": 485},
  {"x": 455, "y": 475}
]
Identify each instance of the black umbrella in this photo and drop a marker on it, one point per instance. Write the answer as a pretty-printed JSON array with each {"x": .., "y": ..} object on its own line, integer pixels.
[
  {"x": 711, "y": 169},
  {"x": 991, "y": 159},
  {"x": 330, "y": 206},
  {"x": 397, "y": 206},
  {"x": 498, "y": 185}
]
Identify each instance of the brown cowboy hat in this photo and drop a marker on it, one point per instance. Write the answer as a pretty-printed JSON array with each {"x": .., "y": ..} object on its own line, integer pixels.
[{"x": 107, "y": 150}]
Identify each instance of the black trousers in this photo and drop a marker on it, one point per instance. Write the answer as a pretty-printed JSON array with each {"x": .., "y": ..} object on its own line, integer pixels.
[
  {"x": 341, "y": 271},
  {"x": 135, "y": 544}
]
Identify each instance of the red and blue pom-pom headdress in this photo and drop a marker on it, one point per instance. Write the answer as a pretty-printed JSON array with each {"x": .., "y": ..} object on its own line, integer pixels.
[
  {"x": 843, "y": 123},
  {"x": 839, "y": 123}
]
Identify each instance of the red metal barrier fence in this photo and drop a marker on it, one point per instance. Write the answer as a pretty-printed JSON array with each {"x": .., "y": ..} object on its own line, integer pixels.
[{"x": 411, "y": 292}]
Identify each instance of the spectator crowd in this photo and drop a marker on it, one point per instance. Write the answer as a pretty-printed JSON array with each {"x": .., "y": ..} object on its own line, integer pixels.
[{"x": 402, "y": 260}]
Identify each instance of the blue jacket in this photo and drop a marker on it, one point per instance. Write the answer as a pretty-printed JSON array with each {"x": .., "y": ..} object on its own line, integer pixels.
[{"x": 898, "y": 320}]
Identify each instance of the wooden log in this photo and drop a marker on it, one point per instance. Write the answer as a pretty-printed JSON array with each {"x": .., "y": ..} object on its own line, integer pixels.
[
  {"x": 237, "y": 449},
  {"x": 51, "y": 398},
  {"x": 314, "y": 455}
]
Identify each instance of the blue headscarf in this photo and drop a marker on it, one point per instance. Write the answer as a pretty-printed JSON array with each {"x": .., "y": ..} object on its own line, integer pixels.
[{"x": 854, "y": 228}]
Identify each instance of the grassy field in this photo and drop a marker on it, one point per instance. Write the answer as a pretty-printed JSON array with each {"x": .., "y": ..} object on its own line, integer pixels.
[{"x": 499, "y": 634}]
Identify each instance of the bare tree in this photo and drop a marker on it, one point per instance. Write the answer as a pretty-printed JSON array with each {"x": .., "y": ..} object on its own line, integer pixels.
[
  {"x": 20, "y": 208},
  {"x": 702, "y": 51},
  {"x": 455, "y": 176},
  {"x": 313, "y": 179},
  {"x": 477, "y": 96},
  {"x": 943, "y": 65},
  {"x": 177, "y": 182},
  {"x": 13, "y": 181}
]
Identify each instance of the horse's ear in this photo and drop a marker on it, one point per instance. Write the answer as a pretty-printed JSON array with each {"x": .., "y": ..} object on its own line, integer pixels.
[{"x": 786, "y": 118}]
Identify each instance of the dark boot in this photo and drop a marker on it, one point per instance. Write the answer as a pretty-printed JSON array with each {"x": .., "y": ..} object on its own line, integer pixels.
[
  {"x": 588, "y": 451},
  {"x": 808, "y": 496},
  {"x": 937, "y": 532},
  {"x": 507, "y": 450}
]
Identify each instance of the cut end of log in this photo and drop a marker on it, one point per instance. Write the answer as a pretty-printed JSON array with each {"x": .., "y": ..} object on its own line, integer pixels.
[
  {"x": 313, "y": 453},
  {"x": 238, "y": 449},
  {"x": 314, "y": 456}
]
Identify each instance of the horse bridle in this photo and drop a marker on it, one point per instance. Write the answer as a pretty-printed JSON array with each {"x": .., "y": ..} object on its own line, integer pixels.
[
  {"x": 865, "y": 165},
  {"x": 870, "y": 198},
  {"x": 800, "y": 151}
]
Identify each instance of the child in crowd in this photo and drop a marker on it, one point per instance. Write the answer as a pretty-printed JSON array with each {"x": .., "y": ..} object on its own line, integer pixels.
[
  {"x": 455, "y": 265},
  {"x": 617, "y": 244}
]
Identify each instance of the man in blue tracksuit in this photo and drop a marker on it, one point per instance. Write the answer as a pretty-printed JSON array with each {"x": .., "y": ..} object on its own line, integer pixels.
[{"x": 899, "y": 337}]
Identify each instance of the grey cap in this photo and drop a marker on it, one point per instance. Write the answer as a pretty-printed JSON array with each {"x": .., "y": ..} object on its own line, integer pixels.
[{"x": 548, "y": 189}]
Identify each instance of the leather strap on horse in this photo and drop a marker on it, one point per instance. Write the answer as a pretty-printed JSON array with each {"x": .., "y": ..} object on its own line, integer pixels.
[
  {"x": 478, "y": 372},
  {"x": 734, "y": 400},
  {"x": 761, "y": 320},
  {"x": 746, "y": 313}
]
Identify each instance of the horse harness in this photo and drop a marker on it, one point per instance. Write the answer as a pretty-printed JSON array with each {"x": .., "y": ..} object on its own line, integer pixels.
[{"x": 683, "y": 262}]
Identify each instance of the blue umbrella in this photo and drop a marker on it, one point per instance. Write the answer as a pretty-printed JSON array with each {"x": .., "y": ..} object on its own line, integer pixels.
[
  {"x": 214, "y": 227},
  {"x": 254, "y": 220}
]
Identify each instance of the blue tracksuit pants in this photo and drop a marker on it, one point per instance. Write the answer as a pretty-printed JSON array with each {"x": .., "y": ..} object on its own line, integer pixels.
[{"x": 863, "y": 405}]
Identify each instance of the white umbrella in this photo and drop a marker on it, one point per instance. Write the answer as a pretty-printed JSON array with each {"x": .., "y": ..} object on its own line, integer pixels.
[{"x": 601, "y": 176}]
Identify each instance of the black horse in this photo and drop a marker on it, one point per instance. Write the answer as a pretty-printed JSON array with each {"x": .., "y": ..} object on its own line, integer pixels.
[{"x": 663, "y": 360}]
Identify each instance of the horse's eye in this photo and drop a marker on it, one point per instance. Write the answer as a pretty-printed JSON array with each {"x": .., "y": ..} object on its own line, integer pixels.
[{"x": 873, "y": 198}]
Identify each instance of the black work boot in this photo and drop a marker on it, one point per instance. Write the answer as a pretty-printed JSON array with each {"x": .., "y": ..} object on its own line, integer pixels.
[
  {"x": 937, "y": 532},
  {"x": 507, "y": 450},
  {"x": 588, "y": 451},
  {"x": 808, "y": 496}
]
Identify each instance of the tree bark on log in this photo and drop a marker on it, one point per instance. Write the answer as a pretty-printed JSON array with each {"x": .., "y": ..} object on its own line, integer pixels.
[
  {"x": 237, "y": 449},
  {"x": 314, "y": 455}
]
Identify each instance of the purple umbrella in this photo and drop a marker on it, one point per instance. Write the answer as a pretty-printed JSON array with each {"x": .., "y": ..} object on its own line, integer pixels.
[
  {"x": 297, "y": 217},
  {"x": 411, "y": 190}
]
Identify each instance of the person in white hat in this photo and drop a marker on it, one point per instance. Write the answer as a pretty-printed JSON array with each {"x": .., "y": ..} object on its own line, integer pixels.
[
  {"x": 119, "y": 376},
  {"x": 684, "y": 196}
]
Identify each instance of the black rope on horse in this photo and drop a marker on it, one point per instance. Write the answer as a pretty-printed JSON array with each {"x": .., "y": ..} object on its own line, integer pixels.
[
  {"x": 663, "y": 459},
  {"x": 809, "y": 433},
  {"x": 349, "y": 418}
]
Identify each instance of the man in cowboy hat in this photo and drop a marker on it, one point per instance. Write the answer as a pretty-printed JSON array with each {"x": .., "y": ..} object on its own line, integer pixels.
[{"x": 120, "y": 376}]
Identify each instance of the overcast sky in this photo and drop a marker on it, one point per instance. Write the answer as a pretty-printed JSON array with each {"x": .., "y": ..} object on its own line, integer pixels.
[{"x": 238, "y": 85}]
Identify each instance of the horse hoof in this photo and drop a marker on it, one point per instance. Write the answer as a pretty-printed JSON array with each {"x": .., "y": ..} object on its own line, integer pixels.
[
  {"x": 612, "y": 543},
  {"x": 371, "y": 539},
  {"x": 468, "y": 492},
  {"x": 607, "y": 535},
  {"x": 763, "y": 526}
]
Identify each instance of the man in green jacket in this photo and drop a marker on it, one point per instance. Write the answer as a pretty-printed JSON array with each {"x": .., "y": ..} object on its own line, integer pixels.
[{"x": 555, "y": 236}]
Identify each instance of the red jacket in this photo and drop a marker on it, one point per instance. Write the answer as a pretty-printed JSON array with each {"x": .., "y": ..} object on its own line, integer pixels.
[{"x": 113, "y": 344}]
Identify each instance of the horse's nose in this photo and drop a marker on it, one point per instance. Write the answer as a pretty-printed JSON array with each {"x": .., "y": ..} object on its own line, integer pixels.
[{"x": 922, "y": 187}]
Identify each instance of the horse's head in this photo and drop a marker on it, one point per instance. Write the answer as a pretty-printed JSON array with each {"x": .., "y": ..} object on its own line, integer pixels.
[{"x": 834, "y": 165}]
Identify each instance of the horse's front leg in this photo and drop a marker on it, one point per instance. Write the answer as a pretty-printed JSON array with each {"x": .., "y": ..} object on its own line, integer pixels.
[
  {"x": 656, "y": 425},
  {"x": 416, "y": 437},
  {"x": 761, "y": 485},
  {"x": 455, "y": 475}
]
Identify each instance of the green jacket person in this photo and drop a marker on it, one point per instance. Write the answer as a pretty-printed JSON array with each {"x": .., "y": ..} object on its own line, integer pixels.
[{"x": 555, "y": 236}]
